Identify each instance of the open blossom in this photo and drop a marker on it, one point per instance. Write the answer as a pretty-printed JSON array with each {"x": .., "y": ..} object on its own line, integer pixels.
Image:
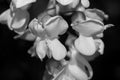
[
  {"x": 89, "y": 25},
  {"x": 47, "y": 34},
  {"x": 16, "y": 17}
]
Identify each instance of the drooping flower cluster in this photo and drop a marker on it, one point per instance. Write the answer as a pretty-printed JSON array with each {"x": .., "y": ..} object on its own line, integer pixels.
[{"x": 45, "y": 31}]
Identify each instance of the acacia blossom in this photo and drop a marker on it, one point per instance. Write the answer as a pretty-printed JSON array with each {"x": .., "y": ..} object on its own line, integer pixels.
[
  {"x": 47, "y": 37},
  {"x": 46, "y": 29}
]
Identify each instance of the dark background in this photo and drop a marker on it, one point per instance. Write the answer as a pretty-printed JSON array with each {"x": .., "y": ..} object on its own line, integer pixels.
[{"x": 17, "y": 64}]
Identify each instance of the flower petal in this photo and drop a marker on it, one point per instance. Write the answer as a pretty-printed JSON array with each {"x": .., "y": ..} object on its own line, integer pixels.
[
  {"x": 74, "y": 3},
  {"x": 41, "y": 49},
  {"x": 36, "y": 28},
  {"x": 95, "y": 14},
  {"x": 80, "y": 62},
  {"x": 58, "y": 50},
  {"x": 27, "y": 35},
  {"x": 89, "y": 28},
  {"x": 21, "y": 3},
  {"x": 85, "y": 45},
  {"x": 56, "y": 26},
  {"x": 100, "y": 45},
  {"x": 78, "y": 17},
  {"x": 6, "y": 18},
  {"x": 85, "y": 3},
  {"x": 77, "y": 72},
  {"x": 64, "y": 2},
  {"x": 20, "y": 20}
]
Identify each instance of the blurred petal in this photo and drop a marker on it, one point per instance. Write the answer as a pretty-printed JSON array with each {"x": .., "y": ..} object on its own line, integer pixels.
[
  {"x": 6, "y": 18},
  {"x": 41, "y": 49},
  {"x": 89, "y": 28},
  {"x": 20, "y": 20},
  {"x": 64, "y": 2},
  {"x": 27, "y": 35},
  {"x": 85, "y": 3},
  {"x": 21, "y": 3},
  {"x": 100, "y": 45},
  {"x": 85, "y": 45},
  {"x": 77, "y": 72},
  {"x": 57, "y": 49},
  {"x": 74, "y": 3},
  {"x": 81, "y": 62},
  {"x": 96, "y": 14},
  {"x": 56, "y": 26}
]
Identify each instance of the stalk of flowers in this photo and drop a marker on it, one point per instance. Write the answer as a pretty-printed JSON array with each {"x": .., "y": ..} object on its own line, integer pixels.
[{"x": 45, "y": 29}]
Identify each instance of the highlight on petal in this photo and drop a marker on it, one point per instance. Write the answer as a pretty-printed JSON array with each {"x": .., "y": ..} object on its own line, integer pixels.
[
  {"x": 89, "y": 28},
  {"x": 41, "y": 49},
  {"x": 21, "y": 3},
  {"x": 95, "y": 14},
  {"x": 56, "y": 26},
  {"x": 85, "y": 3},
  {"x": 65, "y": 2},
  {"x": 20, "y": 20},
  {"x": 85, "y": 45},
  {"x": 57, "y": 49},
  {"x": 6, "y": 18}
]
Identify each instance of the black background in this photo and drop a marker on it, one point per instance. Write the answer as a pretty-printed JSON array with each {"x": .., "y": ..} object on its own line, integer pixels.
[{"x": 17, "y": 64}]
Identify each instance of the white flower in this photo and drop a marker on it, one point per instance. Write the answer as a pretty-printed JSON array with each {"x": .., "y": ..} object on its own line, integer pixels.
[
  {"x": 89, "y": 26},
  {"x": 16, "y": 21},
  {"x": 48, "y": 33}
]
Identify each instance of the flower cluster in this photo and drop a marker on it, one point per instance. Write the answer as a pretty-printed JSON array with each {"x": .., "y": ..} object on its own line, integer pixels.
[{"x": 45, "y": 30}]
